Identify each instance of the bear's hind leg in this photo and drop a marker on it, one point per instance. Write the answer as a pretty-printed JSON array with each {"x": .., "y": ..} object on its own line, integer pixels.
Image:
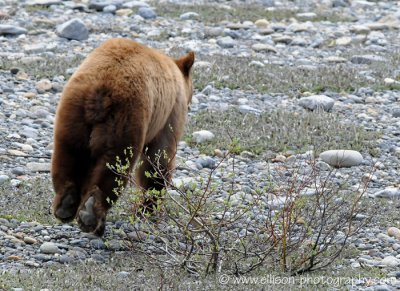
[
  {"x": 69, "y": 168},
  {"x": 109, "y": 140},
  {"x": 159, "y": 157},
  {"x": 102, "y": 192}
]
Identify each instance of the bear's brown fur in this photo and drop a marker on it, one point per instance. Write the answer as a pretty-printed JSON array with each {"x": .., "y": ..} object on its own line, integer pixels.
[{"x": 123, "y": 95}]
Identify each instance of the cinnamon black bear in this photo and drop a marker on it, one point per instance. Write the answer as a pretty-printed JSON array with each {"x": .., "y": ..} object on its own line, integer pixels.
[{"x": 123, "y": 95}]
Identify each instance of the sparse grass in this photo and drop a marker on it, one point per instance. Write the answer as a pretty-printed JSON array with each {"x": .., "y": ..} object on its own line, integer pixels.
[
  {"x": 213, "y": 14},
  {"x": 110, "y": 26},
  {"x": 141, "y": 275},
  {"x": 389, "y": 207},
  {"x": 41, "y": 24},
  {"x": 38, "y": 194},
  {"x": 216, "y": 13},
  {"x": 236, "y": 73},
  {"x": 280, "y": 131},
  {"x": 30, "y": 201},
  {"x": 94, "y": 276},
  {"x": 36, "y": 8},
  {"x": 44, "y": 68}
]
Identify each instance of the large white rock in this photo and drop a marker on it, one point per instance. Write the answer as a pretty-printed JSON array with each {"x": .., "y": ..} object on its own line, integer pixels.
[
  {"x": 189, "y": 15},
  {"x": 262, "y": 23},
  {"x": 367, "y": 59},
  {"x": 183, "y": 182},
  {"x": 43, "y": 85},
  {"x": 394, "y": 232},
  {"x": 262, "y": 47},
  {"x": 135, "y": 4},
  {"x": 43, "y": 2},
  {"x": 389, "y": 192},
  {"x": 390, "y": 261},
  {"x": 202, "y": 136},
  {"x": 38, "y": 167},
  {"x": 11, "y": 29},
  {"x": 49, "y": 248},
  {"x": 317, "y": 102},
  {"x": 341, "y": 158},
  {"x": 226, "y": 42}
]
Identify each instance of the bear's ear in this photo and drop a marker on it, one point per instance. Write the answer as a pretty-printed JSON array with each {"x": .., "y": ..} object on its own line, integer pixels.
[{"x": 185, "y": 63}]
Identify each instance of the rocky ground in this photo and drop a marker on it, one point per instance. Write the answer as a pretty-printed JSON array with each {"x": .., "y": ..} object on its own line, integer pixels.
[{"x": 254, "y": 57}]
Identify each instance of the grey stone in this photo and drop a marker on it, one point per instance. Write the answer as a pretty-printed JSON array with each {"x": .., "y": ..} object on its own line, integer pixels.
[
  {"x": 15, "y": 182},
  {"x": 189, "y": 15},
  {"x": 317, "y": 102},
  {"x": 98, "y": 258},
  {"x": 4, "y": 178},
  {"x": 262, "y": 47},
  {"x": 29, "y": 132},
  {"x": 340, "y": 3},
  {"x": 6, "y": 29},
  {"x": 183, "y": 182},
  {"x": 360, "y": 29},
  {"x": 396, "y": 112},
  {"x": 40, "y": 113},
  {"x": 16, "y": 153},
  {"x": 300, "y": 27},
  {"x": 256, "y": 64},
  {"x": 306, "y": 15},
  {"x": 49, "y": 248},
  {"x": 213, "y": 31},
  {"x": 390, "y": 192},
  {"x": 110, "y": 9},
  {"x": 65, "y": 259},
  {"x": 232, "y": 33},
  {"x": 382, "y": 288},
  {"x": 77, "y": 253},
  {"x": 147, "y": 13},
  {"x": 115, "y": 245},
  {"x": 30, "y": 240},
  {"x": 38, "y": 167},
  {"x": 32, "y": 264},
  {"x": 123, "y": 274},
  {"x": 248, "y": 109},
  {"x": 268, "y": 3},
  {"x": 18, "y": 171},
  {"x": 43, "y": 2},
  {"x": 226, "y": 42},
  {"x": 134, "y": 4},
  {"x": 206, "y": 162},
  {"x": 202, "y": 136},
  {"x": 367, "y": 59},
  {"x": 98, "y": 244},
  {"x": 99, "y": 5},
  {"x": 137, "y": 235},
  {"x": 78, "y": 242},
  {"x": 73, "y": 29},
  {"x": 276, "y": 202},
  {"x": 41, "y": 257},
  {"x": 299, "y": 41},
  {"x": 341, "y": 158},
  {"x": 390, "y": 261}
]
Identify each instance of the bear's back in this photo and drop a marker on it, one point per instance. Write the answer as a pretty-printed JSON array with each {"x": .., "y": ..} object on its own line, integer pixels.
[
  {"x": 136, "y": 76},
  {"x": 119, "y": 58}
]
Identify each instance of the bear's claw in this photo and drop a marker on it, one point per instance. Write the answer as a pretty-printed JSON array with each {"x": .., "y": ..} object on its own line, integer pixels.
[
  {"x": 68, "y": 207},
  {"x": 91, "y": 218},
  {"x": 86, "y": 214}
]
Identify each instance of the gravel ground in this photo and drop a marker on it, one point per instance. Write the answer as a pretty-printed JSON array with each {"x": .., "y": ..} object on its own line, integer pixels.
[{"x": 255, "y": 57}]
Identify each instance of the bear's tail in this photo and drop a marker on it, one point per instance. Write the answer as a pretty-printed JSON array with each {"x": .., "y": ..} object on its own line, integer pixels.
[{"x": 98, "y": 103}]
